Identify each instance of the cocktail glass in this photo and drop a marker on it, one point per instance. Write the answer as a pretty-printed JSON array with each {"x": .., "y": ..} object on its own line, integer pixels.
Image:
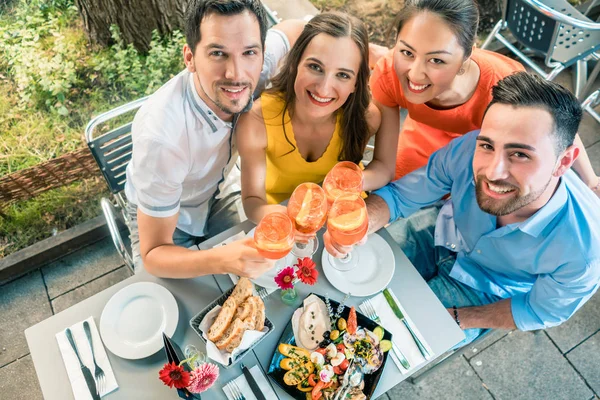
[
  {"x": 274, "y": 235},
  {"x": 347, "y": 224},
  {"x": 307, "y": 208},
  {"x": 344, "y": 178}
]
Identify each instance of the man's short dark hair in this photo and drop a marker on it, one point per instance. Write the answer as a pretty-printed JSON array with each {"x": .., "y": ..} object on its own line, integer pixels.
[
  {"x": 197, "y": 10},
  {"x": 524, "y": 89}
]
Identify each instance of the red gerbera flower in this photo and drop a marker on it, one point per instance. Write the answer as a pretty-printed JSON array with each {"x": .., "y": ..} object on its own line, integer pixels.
[
  {"x": 285, "y": 278},
  {"x": 174, "y": 375},
  {"x": 306, "y": 271}
]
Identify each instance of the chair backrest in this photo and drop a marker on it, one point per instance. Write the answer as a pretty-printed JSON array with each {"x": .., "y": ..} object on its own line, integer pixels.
[
  {"x": 553, "y": 27},
  {"x": 112, "y": 149}
]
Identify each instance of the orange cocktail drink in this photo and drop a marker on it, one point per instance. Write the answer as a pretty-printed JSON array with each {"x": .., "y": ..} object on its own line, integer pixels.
[
  {"x": 348, "y": 221},
  {"x": 274, "y": 236},
  {"x": 307, "y": 208},
  {"x": 344, "y": 178}
]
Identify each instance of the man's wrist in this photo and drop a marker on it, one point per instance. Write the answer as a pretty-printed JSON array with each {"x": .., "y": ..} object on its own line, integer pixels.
[
  {"x": 456, "y": 318},
  {"x": 596, "y": 187}
]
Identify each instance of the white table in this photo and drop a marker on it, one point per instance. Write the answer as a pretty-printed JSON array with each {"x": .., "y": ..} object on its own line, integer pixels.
[{"x": 139, "y": 378}]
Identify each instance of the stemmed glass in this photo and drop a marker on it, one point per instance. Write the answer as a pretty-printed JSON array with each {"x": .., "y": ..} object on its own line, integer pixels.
[
  {"x": 344, "y": 178},
  {"x": 274, "y": 235},
  {"x": 347, "y": 224},
  {"x": 307, "y": 209}
]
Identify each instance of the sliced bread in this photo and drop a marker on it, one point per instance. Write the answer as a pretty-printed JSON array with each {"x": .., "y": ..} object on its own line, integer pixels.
[
  {"x": 222, "y": 321},
  {"x": 242, "y": 291},
  {"x": 235, "y": 329}
]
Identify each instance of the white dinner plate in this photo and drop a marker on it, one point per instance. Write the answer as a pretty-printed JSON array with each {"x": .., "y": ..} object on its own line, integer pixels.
[
  {"x": 375, "y": 269},
  {"x": 134, "y": 319},
  {"x": 267, "y": 280}
]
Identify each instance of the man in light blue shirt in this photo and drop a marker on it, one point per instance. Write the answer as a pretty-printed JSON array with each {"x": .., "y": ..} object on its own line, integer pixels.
[{"x": 518, "y": 243}]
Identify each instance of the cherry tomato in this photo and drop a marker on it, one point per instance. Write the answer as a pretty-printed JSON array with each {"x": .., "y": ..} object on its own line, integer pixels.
[
  {"x": 340, "y": 347},
  {"x": 321, "y": 350},
  {"x": 337, "y": 370},
  {"x": 344, "y": 364}
]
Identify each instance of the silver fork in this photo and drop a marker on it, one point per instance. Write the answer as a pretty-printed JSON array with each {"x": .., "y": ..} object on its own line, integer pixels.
[
  {"x": 99, "y": 375},
  {"x": 372, "y": 314},
  {"x": 235, "y": 391},
  {"x": 262, "y": 292}
]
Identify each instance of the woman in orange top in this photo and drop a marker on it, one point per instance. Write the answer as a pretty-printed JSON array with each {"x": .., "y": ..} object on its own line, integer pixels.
[{"x": 442, "y": 80}]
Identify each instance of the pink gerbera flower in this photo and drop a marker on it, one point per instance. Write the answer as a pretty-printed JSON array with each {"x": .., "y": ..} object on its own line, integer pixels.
[
  {"x": 285, "y": 278},
  {"x": 203, "y": 378}
]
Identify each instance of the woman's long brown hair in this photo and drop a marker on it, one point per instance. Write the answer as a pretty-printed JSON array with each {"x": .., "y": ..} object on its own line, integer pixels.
[{"x": 355, "y": 130}]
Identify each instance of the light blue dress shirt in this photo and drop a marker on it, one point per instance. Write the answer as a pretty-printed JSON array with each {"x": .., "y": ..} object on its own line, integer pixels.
[{"x": 548, "y": 264}]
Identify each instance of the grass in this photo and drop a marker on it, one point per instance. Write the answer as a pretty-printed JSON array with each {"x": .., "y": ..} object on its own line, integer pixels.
[
  {"x": 52, "y": 81},
  {"x": 49, "y": 213}
]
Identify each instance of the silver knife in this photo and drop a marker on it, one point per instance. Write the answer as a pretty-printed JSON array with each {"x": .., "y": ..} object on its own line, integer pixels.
[
  {"x": 87, "y": 374},
  {"x": 252, "y": 383},
  {"x": 392, "y": 302}
]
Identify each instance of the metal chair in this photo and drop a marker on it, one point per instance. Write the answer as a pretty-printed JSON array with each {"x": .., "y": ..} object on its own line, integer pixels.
[
  {"x": 112, "y": 152},
  {"x": 556, "y": 30},
  {"x": 590, "y": 103}
]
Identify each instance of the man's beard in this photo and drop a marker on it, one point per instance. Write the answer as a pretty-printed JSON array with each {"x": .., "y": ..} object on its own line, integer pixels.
[
  {"x": 507, "y": 206},
  {"x": 236, "y": 102}
]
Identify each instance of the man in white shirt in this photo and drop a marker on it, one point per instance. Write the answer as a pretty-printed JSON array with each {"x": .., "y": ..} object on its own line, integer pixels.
[{"x": 182, "y": 142}]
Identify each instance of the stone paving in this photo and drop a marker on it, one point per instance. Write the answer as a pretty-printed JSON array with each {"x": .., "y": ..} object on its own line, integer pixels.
[{"x": 559, "y": 363}]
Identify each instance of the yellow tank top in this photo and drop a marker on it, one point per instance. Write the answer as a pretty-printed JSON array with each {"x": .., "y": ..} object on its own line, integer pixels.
[{"x": 286, "y": 168}]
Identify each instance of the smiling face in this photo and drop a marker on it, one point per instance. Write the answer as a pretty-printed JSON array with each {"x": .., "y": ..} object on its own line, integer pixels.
[
  {"x": 226, "y": 62},
  {"x": 515, "y": 164},
  {"x": 326, "y": 75},
  {"x": 427, "y": 57}
]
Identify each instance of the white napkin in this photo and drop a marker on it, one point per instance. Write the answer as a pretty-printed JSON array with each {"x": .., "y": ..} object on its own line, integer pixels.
[
  {"x": 244, "y": 387},
  {"x": 400, "y": 335},
  {"x": 221, "y": 356},
  {"x": 78, "y": 384}
]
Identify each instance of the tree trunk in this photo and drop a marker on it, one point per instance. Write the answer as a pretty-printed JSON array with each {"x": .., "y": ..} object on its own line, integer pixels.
[{"x": 135, "y": 18}]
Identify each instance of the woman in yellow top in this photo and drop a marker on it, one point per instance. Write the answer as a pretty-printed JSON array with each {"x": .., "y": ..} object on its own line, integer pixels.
[{"x": 318, "y": 112}]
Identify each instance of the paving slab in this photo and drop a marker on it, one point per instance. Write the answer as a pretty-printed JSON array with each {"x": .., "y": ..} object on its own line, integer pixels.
[
  {"x": 585, "y": 359},
  {"x": 452, "y": 380},
  {"x": 594, "y": 154},
  {"x": 23, "y": 303},
  {"x": 583, "y": 324},
  {"x": 589, "y": 131},
  {"x": 73, "y": 297},
  {"x": 474, "y": 349},
  {"x": 18, "y": 381},
  {"x": 81, "y": 267},
  {"x": 526, "y": 365},
  {"x": 291, "y": 9}
]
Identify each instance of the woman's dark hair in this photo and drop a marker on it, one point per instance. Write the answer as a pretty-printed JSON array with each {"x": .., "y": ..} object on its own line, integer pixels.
[
  {"x": 355, "y": 130},
  {"x": 197, "y": 10},
  {"x": 462, "y": 16},
  {"x": 524, "y": 89}
]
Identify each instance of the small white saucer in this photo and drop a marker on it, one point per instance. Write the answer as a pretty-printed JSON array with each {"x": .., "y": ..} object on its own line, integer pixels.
[{"x": 374, "y": 271}]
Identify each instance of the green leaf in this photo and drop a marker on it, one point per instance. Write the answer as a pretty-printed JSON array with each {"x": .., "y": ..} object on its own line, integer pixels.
[{"x": 62, "y": 110}]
